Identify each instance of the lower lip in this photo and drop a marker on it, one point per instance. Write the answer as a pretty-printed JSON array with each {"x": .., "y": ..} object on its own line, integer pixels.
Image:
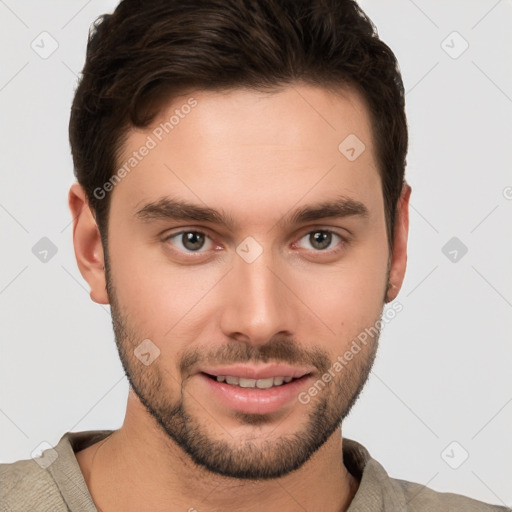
[{"x": 255, "y": 400}]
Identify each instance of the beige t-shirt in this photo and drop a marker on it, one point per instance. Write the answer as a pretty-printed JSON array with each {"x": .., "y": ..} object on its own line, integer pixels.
[{"x": 53, "y": 482}]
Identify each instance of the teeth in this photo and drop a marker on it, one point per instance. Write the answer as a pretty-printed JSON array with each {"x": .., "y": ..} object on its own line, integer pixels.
[
  {"x": 265, "y": 383},
  {"x": 247, "y": 383},
  {"x": 254, "y": 383}
]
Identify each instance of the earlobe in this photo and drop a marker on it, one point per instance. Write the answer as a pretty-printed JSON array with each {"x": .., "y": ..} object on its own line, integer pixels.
[
  {"x": 399, "y": 254},
  {"x": 87, "y": 244}
]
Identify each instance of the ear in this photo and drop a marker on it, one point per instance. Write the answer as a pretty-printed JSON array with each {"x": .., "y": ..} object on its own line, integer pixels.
[
  {"x": 398, "y": 261},
  {"x": 87, "y": 244}
]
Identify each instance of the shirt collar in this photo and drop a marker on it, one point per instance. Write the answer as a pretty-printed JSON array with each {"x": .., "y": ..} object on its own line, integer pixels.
[{"x": 377, "y": 492}]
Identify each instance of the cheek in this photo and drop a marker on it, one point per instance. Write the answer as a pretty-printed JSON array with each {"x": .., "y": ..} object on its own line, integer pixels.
[
  {"x": 348, "y": 298},
  {"x": 368, "y": 266},
  {"x": 159, "y": 298}
]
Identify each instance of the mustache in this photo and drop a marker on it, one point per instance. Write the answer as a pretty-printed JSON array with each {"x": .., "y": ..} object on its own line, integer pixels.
[{"x": 279, "y": 349}]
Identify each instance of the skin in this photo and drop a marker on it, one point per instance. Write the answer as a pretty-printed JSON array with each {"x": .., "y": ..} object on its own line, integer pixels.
[{"x": 256, "y": 157}]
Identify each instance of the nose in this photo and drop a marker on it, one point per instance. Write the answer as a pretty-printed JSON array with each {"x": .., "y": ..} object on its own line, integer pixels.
[{"x": 257, "y": 305}]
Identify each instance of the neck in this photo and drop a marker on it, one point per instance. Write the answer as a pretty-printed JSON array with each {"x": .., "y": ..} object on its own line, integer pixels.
[{"x": 139, "y": 468}]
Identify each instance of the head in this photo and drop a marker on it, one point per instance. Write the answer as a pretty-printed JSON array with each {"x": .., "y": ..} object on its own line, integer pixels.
[{"x": 241, "y": 205}]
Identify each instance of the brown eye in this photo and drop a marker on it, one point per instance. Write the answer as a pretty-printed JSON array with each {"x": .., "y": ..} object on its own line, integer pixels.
[
  {"x": 190, "y": 241},
  {"x": 321, "y": 241}
]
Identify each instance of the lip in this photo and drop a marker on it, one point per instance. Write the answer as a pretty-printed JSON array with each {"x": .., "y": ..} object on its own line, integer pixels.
[
  {"x": 258, "y": 372},
  {"x": 255, "y": 400}
]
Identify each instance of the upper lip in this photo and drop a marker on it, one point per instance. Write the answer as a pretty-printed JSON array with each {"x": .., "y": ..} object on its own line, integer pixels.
[{"x": 257, "y": 372}]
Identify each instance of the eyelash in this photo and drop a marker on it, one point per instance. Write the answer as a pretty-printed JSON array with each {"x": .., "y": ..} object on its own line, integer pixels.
[{"x": 194, "y": 254}]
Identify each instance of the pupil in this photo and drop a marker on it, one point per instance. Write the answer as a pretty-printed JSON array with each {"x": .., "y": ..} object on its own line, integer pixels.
[
  {"x": 320, "y": 239},
  {"x": 192, "y": 240}
]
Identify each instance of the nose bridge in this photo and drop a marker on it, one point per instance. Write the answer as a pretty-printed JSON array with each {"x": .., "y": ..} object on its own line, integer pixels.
[{"x": 256, "y": 305}]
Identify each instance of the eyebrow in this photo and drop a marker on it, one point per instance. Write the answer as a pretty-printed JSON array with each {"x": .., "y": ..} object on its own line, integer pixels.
[{"x": 173, "y": 209}]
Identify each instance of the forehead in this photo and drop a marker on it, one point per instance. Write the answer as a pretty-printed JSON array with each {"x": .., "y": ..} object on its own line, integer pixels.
[{"x": 238, "y": 146}]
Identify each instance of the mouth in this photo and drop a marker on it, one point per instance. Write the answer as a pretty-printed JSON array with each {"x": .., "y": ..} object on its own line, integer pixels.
[
  {"x": 255, "y": 390},
  {"x": 243, "y": 382}
]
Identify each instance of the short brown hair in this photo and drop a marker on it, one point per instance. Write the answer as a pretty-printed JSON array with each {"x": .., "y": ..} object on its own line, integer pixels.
[{"x": 152, "y": 50}]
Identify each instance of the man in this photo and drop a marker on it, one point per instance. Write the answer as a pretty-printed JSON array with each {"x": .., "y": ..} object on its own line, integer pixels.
[{"x": 241, "y": 205}]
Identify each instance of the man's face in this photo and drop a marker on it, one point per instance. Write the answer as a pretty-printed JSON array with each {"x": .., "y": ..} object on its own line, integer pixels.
[{"x": 269, "y": 287}]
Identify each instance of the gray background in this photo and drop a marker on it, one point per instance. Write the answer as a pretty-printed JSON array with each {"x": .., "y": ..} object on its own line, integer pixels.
[{"x": 441, "y": 387}]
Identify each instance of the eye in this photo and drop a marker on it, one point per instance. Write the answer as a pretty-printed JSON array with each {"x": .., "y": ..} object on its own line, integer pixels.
[
  {"x": 319, "y": 240},
  {"x": 190, "y": 241}
]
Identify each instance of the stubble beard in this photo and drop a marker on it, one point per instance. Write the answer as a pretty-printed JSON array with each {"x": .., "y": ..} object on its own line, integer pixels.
[{"x": 250, "y": 458}]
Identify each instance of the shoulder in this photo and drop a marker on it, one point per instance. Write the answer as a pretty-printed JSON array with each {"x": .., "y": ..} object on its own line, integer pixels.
[
  {"x": 27, "y": 484},
  {"x": 422, "y": 499},
  {"x": 378, "y": 491},
  {"x": 51, "y": 482}
]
